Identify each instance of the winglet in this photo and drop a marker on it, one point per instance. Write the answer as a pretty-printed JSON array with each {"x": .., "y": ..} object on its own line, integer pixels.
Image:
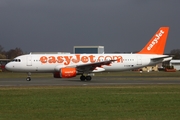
[{"x": 157, "y": 43}]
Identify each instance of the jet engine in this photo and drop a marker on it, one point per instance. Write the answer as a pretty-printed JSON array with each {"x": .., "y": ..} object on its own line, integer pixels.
[{"x": 66, "y": 73}]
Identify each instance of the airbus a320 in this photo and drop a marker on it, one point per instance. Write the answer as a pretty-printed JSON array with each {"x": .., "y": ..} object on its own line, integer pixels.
[{"x": 71, "y": 65}]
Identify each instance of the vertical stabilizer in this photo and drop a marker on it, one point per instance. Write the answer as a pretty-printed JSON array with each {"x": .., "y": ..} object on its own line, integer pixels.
[{"x": 157, "y": 43}]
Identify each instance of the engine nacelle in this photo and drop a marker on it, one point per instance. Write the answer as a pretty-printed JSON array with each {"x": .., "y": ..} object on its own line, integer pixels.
[{"x": 66, "y": 73}]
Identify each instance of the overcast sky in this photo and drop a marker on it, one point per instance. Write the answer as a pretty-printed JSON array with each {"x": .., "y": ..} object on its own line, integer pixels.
[{"x": 58, "y": 25}]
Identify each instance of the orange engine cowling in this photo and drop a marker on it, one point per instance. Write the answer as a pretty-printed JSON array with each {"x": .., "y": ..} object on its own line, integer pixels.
[{"x": 65, "y": 73}]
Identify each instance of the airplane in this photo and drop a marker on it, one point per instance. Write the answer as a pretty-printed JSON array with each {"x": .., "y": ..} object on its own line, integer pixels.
[{"x": 71, "y": 65}]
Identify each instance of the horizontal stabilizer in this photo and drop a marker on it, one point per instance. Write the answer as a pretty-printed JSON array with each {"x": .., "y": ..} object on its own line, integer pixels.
[{"x": 163, "y": 59}]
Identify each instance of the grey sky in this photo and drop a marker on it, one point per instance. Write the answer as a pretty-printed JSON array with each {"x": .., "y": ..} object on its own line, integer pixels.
[{"x": 58, "y": 25}]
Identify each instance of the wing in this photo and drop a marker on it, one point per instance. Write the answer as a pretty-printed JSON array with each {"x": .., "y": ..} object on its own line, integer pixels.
[{"x": 89, "y": 67}]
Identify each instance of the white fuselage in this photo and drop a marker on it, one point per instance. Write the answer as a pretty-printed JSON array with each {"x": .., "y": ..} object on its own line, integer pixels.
[{"x": 53, "y": 62}]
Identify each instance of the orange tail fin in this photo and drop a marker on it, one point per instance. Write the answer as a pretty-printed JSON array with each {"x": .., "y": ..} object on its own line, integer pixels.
[{"x": 157, "y": 43}]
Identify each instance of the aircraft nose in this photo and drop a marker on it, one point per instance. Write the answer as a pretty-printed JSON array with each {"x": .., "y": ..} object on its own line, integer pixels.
[{"x": 8, "y": 66}]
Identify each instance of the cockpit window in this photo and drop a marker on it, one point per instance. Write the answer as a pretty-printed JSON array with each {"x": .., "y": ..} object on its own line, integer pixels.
[{"x": 16, "y": 60}]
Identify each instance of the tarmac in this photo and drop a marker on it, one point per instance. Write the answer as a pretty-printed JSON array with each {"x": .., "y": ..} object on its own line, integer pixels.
[{"x": 96, "y": 81}]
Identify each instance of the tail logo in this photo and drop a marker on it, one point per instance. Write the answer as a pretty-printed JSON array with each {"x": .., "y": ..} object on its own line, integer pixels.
[{"x": 156, "y": 39}]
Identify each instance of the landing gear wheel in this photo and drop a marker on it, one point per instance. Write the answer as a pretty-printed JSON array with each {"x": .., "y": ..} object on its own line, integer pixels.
[
  {"x": 82, "y": 78},
  {"x": 28, "y": 78},
  {"x": 88, "y": 78}
]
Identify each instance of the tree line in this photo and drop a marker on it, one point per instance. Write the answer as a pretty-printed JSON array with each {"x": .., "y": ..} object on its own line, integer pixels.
[{"x": 12, "y": 53}]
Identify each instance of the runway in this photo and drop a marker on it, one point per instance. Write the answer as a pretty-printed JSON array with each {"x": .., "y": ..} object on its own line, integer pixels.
[{"x": 96, "y": 81}]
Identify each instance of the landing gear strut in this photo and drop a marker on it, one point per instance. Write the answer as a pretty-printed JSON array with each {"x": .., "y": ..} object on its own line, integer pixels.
[
  {"x": 28, "y": 77},
  {"x": 83, "y": 78}
]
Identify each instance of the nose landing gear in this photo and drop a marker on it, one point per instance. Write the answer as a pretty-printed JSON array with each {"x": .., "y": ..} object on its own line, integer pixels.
[{"x": 28, "y": 77}]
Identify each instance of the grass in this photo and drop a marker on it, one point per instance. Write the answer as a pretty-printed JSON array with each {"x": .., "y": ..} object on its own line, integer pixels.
[
  {"x": 121, "y": 102},
  {"x": 125, "y": 102}
]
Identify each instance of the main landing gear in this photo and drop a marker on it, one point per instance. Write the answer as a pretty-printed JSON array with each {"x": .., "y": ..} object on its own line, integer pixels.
[
  {"x": 83, "y": 78},
  {"x": 28, "y": 76}
]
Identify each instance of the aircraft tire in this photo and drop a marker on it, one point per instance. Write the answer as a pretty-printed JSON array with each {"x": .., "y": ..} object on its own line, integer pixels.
[
  {"x": 28, "y": 79},
  {"x": 82, "y": 78},
  {"x": 88, "y": 78}
]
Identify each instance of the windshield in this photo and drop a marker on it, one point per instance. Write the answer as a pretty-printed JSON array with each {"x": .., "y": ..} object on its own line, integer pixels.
[{"x": 16, "y": 60}]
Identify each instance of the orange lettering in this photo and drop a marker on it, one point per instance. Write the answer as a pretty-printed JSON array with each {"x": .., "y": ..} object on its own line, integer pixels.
[
  {"x": 92, "y": 58},
  {"x": 84, "y": 59},
  {"x": 77, "y": 59},
  {"x": 118, "y": 58},
  {"x": 99, "y": 58},
  {"x": 52, "y": 59},
  {"x": 68, "y": 60},
  {"x": 108, "y": 58},
  {"x": 60, "y": 59},
  {"x": 43, "y": 59}
]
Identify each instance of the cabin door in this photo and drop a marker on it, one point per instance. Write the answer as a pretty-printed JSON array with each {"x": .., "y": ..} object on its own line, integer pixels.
[
  {"x": 139, "y": 60},
  {"x": 29, "y": 61}
]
